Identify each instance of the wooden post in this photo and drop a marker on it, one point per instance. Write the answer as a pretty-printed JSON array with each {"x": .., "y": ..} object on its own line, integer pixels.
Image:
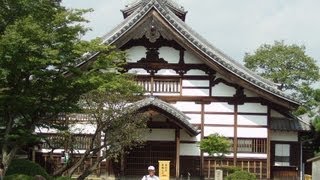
[
  {"x": 268, "y": 146},
  {"x": 177, "y": 153},
  {"x": 202, "y": 136},
  {"x": 209, "y": 168},
  {"x": 235, "y": 135}
]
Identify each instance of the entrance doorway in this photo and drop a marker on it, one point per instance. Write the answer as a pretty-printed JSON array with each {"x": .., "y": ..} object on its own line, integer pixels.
[{"x": 138, "y": 160}]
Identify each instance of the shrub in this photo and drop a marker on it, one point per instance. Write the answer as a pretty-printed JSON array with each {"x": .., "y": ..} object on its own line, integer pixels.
[
  {"x": 230, "y": 169},
  {"x": 26, "y": 167},
  {"x": 18, "y": 177},
  {"x": 243, "y": 175},
  {"x": 63, "y": 178}
]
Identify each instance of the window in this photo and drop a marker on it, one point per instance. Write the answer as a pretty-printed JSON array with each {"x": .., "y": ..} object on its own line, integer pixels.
[{"x": 282, "y": 155}]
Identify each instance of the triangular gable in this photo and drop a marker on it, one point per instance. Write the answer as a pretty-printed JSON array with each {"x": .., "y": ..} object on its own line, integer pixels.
[{"x": 184, "y": 35}]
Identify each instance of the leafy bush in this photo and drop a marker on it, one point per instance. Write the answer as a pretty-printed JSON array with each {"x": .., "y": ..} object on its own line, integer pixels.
[
  {"x": 63, "y": 178},
  {"x": 243, "y": 175},
  {"x": 26, "y": 167},
  {"x": 18, "y": 177},
  {"x": 231, "y": 169}
]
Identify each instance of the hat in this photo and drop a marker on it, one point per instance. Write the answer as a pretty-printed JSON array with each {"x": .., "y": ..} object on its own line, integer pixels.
[{"x": 151, "y": 168}]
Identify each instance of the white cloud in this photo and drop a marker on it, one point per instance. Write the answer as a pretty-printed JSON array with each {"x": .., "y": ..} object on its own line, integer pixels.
[{"x": 235, "y": 27}]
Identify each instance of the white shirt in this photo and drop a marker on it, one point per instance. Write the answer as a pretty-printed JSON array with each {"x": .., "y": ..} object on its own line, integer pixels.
[{"x": 148, "y": 177}]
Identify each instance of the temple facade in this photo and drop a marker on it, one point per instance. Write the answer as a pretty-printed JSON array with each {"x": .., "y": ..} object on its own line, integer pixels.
[{"x": 193, "y": 90}]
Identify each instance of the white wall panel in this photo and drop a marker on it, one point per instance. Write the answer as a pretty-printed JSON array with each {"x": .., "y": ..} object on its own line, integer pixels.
[
  {"x": 252, "y": 155},
  {"x": 225, "y": 131},
  {"x": 191, "y": 59},
  {"x": 222, "y": 89},
  {"x": 160, "y": 135},
  {"x": 195, "y": 92},
  {"x": 252, "y": 132},
  {"x": 195, "y": 83},
  {"x": 82, "y": 128},
  {"x": 194, "y": 118},
  {"x": 169, "y": 54},
  {"x": 167, "y": 72},
  {"x": 166, "y": 94},
  {"x": 249, "y": 93},
  {"x": 283, "y": 136},
  {"x": 219, "y": 119},
  {"x": 219, "y": 107},
  {"x": 138, "y": 71},
  {"x": 187, "y": 106},
  {"x": 189, "y": 149},
  {"x": 253, "y": 108},
  {"x": 184, "y": 136},
  {"x": 136, "y": 53},
  {"x": 252, "y": 120},
  {"x": 196, "y": 72}
]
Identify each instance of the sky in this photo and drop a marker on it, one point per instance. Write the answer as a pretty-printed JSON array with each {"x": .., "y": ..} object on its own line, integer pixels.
[{"x": 233, "y": 26}]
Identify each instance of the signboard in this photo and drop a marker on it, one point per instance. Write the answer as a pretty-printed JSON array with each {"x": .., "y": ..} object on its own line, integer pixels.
[
  {"x": 164, "y": 170},
  {"x": 218, "y": 175}
]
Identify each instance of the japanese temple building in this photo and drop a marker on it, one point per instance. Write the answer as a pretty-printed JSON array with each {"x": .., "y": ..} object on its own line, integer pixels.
[{"x": 194, "y": 90}]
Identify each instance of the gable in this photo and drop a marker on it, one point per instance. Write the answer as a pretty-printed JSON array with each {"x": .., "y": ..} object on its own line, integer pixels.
[{"x": 156, "y": 22}]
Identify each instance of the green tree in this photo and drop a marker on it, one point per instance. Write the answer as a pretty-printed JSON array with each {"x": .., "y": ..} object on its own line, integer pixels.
[
  {"x": 287, "y": 65},
  {"x": 215, "y": 145},
  {"x": 118, "y": 127},
  {"x": 40, "y": 41}
]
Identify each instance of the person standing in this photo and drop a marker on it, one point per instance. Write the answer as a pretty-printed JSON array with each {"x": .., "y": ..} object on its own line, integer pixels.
[{"x": 151, "y": 175}]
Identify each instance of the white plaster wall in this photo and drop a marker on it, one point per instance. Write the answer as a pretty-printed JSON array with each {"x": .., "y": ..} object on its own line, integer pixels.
[
  {"x": 160, "y": 135},
  {"x": 219, "y": 119},
  {"x": 169, "y": 54},
  {"x": 253, "y": 108},
  {"x": 82, "y": 128},
  {"x": 187, "y": 106},
  {"x": 195, "y": 92},
  {"x": 274, "y": 113},
  {"x": 166, "y": 72},
  {"x": 166, "y": 94},
  {"x": 195, "y": 72},
  {"x": 219, "y": 107},
  {"x": 194, "y": 118},
  {"x": 252, "y": 120},
  {"x": 252, "y": 155},
  {"x": 195, "y": 83},
  {"x": 187, "y": 149},
  {"x": 252, "y": 132},
  {"x": 184, "y": 136},
  {"x": 135, "y": 53},
  {"x": 283, "y": 136},
  {"x": 249, "y": 93},
  {"x": 138, "y": 71},
  {"x": 225, "y": 131},
  {"x": 191, "y": 59},
  {"x": 315, "y": 169},
  {"x": 222, "y": 89}
]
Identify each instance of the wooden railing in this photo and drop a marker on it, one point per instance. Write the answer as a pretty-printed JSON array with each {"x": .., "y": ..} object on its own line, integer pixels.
[{"x": 160, "y": 85}]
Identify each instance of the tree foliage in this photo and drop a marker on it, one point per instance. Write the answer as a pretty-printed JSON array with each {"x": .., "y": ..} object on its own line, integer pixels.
[
  {"x": 118, "y": 126},
  {"x": 287, "y": 65},
  {"x": 40, "y": 41},
  {"x": 215, "y": 145}
]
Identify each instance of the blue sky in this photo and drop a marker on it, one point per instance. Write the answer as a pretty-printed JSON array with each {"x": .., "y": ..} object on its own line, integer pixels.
[{"x": 233, "y": 26}]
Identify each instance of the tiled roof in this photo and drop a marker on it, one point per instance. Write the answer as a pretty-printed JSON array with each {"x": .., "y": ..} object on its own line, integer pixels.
[
  {"x": 214, "y": 54},
  {"x": 289, "y": 124},
  {"x": 179, "y": 116}
]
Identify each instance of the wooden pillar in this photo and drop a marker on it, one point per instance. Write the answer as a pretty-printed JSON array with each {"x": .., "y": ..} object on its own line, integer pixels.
[
  {"x": 177, "y": 153},
  {"x": 202, "y": 136},
  {"x": 269, "y": 146},
  {"x": 235, "y": 136}
]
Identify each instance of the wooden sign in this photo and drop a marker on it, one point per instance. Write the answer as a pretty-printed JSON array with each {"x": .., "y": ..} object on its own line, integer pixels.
[{"x": 164, "y": 170}]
